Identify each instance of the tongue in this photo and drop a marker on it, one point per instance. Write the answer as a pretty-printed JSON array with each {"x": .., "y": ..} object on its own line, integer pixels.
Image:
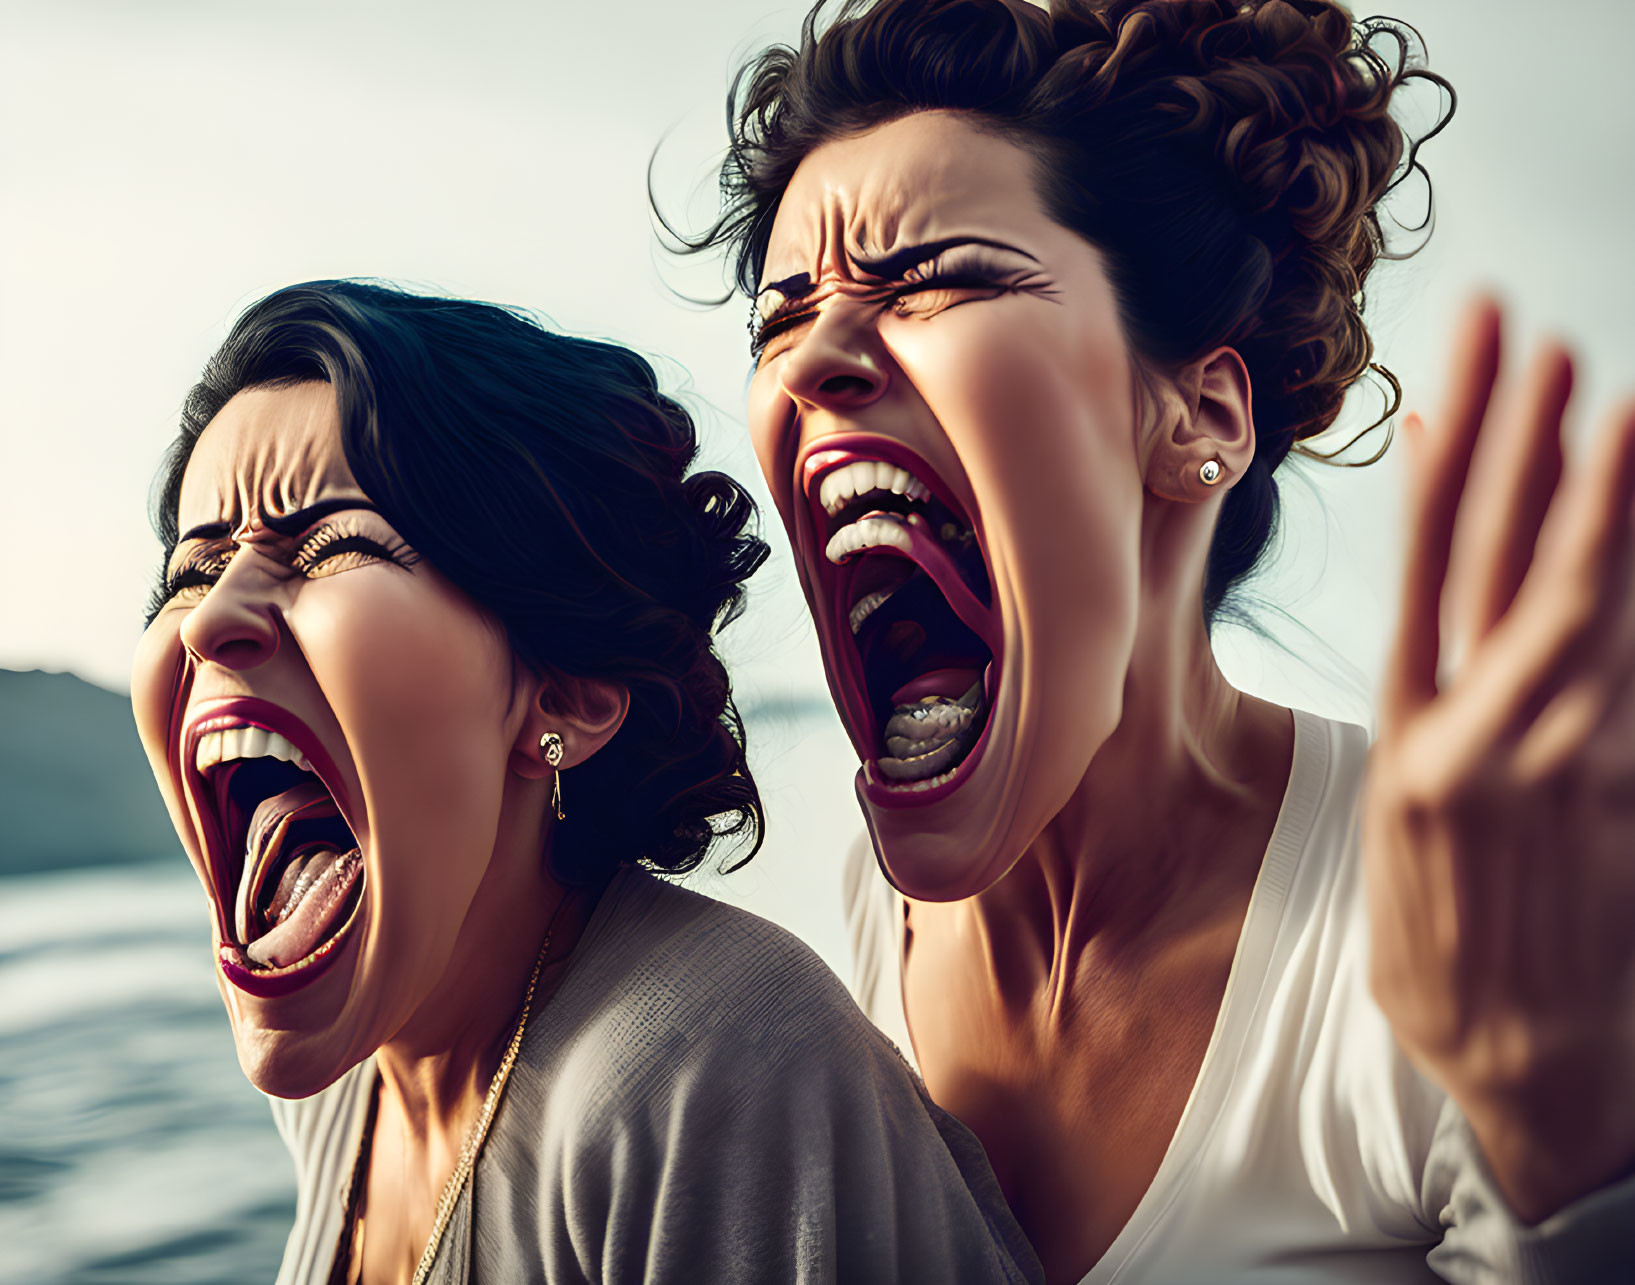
[
  {"x": 915, "y": 544},
  {"x": 316, "y": 913},
  {"x": 268, "y": 829},
  {"x": 936, "y": 561},
  {"x": 274, "y": 808},
  {"x": 950, "y": 683}
]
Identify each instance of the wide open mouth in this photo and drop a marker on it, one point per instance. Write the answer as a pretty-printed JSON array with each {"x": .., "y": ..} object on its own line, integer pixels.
[
  {"x": 286, "y": 871},
  {"x": 916, "y": 635}
]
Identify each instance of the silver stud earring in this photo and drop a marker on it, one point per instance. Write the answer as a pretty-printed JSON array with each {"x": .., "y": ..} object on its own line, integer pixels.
[
  {"x": 550, "y": 745},
  {"x": 1210, "y": 472}
]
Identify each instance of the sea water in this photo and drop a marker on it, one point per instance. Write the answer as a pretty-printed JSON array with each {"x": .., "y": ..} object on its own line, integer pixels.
[{"x": 132, "y": 1148}]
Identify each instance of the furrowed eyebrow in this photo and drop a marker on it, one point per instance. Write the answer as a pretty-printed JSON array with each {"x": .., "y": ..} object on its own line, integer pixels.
[
  {"x": 790, "y": 289},
  {"x": 301, "y": 519},
  {"x": 288, "y": 524},
  {"x": 900, "y": 261},
  {"x": 796, "y": 287},
  {"x": 204, "y": 531}
]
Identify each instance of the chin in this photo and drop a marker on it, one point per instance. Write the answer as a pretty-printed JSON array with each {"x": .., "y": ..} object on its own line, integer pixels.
[
  {"x": 969, "y": 834},
  {"x": 961, "y": 835},
  {"x": 284, "y": 1064},
  {"x": 299, "y": 1043}
]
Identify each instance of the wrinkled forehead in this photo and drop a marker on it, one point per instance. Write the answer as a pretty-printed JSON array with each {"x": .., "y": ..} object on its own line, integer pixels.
[
  {"x": 268, "y": 451},
  {"x": 920, "y": 178}
]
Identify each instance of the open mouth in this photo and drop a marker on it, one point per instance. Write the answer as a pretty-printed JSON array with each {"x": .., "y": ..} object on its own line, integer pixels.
[
  {"x": 913, "y": 625},
  {"x": 287, "y": 874}
]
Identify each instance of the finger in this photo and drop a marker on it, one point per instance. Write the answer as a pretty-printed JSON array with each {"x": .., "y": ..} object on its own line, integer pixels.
[
  {"x": 1558, "y": 736},
  {"x": 1571, "y": 622},
  {"x": 1604, "y": 541},
  {"x": 1440, "y": 462},
  {"x": 1512, "y": 481},
  {"x": 1581, "y": 575}
]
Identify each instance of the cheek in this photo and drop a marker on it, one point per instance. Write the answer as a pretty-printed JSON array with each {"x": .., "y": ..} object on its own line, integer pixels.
[
  {"x": 419, "y": 685},
  {"x": 156, "y": 670},
  {"x": 159, "y": 678},
  {"x": 396, "y": 652},
  {"x": 1036, "y": 400}
]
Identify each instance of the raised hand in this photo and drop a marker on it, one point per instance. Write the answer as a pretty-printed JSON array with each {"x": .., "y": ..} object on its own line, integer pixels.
[{"x": 1499, "y": 813}]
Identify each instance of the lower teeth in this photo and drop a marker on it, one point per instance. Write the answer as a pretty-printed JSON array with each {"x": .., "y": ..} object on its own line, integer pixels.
[
  {"x": 927, "y": 739},
  {"x": 916, "y": 787}
]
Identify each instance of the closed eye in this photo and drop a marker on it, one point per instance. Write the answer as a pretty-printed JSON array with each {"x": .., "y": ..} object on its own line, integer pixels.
[
  {"x": 188, "y": 578},
  {"x": 934, "y": 294},
  {"x": 765, "y": 331},
  {"x": 959, "y": 273},
  {"x": 325, "y": 545},
  {"x": 201, "y": 569},
  {"x": 324, "y": 551}
]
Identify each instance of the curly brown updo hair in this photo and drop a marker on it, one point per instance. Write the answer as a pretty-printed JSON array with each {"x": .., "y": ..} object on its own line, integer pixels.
[{"x": 1226, "y": 158}]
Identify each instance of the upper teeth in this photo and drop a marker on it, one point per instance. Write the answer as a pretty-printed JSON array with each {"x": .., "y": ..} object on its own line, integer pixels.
[
  {"x": 246, "y": 743},
  {"x": 846, "y": 483},
  {"x": 866, "y": 606},
  {"x": 866, "y": 533}
]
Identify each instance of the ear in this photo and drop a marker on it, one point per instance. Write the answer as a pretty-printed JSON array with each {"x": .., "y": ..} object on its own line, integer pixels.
[
  {"x": 584, "y": 712},
  {"x": 1209, "y": 416}
]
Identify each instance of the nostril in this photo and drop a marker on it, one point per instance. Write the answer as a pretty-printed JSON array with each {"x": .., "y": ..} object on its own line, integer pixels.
[
  {"x": 846, "y": 386},
  {"x": 241, "y": 649}
]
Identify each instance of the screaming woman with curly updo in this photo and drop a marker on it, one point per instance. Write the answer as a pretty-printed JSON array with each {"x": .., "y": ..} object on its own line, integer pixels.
[{"x": 1041, "y": 301}]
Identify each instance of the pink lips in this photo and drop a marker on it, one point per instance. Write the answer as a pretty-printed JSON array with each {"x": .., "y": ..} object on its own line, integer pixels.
[
  {"x": 266, "y": 983},
  {"x": 222, "y": 714}
]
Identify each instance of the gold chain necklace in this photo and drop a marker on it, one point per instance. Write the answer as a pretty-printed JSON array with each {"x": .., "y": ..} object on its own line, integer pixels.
[{"x": 479, "y": 1131}]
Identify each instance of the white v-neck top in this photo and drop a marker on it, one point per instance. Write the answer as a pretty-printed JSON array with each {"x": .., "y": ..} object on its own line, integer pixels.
[{"x": 1310, "y": 1148}]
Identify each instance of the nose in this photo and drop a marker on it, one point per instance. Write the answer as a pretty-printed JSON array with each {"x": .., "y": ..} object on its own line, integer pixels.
[
  {"x": 236, "y": 624},
  {"x": 839, "y": 364}
]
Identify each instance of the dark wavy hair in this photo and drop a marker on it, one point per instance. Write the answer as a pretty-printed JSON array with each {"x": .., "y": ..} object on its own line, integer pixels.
[
  {"x": 546, "y": 476},
  {"x": 1226, "y": 157}
]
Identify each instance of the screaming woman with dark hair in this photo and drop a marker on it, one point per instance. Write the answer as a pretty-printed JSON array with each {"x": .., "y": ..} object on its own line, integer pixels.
[
  {"x": 429, "y": 689},
  {"x": 1042, "y": 299}
]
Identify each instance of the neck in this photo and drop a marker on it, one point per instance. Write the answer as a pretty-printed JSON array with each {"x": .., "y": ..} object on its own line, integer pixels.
[
  {"x": 1166, "y": 830},
  {"x": 436, "y": 1071}
]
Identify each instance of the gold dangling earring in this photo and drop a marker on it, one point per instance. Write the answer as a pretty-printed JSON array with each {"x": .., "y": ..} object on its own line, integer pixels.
[{"x": 550, "y": 745}]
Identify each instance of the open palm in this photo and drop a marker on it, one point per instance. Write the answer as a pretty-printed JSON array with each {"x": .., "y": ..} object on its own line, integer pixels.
[{"x": 1499, "y": 815}]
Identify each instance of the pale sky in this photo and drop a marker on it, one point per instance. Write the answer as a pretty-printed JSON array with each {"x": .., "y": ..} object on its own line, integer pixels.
[{"x": 165, "y": 162}]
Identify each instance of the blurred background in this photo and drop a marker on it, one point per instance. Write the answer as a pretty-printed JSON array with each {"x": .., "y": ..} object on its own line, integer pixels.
[{"x": 165, "y": 162}]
